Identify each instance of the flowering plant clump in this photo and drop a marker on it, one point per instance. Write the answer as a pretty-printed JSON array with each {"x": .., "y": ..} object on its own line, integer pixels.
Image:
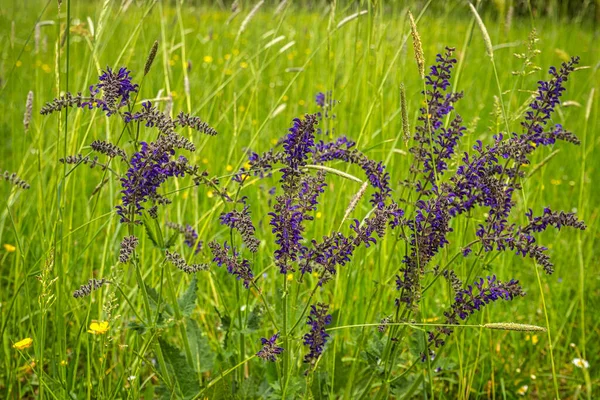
[
  {"x": 486, "y": 178},
  {"x": 261, "y": 245}
]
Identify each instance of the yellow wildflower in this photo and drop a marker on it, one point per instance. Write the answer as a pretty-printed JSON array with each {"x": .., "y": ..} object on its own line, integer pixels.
[
  {"x": 64, "y": 363},
  {"x": 290, "y": 277},
  {"x": 98, "y": 327},
  {"x": 319, "y": 215},
  {"x": 19, "y": 63},
  {"x": 229, "y": 168},
  {"x": 9, "y": 247},
  {"x": 46, "y": 68},
  {"x": 208, "y": 59},
  {"x": 210, "y": 194},
  {"x": 534, "y": 339},
  {"x": 244, "y": 64},
  {"x": 23, "y": 344}
]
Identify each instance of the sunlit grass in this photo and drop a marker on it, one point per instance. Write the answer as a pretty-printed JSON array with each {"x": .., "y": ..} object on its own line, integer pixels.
[{"x": 249, "y": 85}]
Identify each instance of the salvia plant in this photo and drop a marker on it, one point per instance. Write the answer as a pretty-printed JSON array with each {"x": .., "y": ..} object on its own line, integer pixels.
[{"x": 292, "y": 329}]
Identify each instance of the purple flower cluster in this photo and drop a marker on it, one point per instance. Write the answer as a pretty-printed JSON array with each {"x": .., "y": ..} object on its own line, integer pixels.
[
  {"x": 343, "y": 149},
  {"x": 300, "y": 199},
  {"x": 241, "y": 221},
  {"x": 435, "y": 143},
  {"x": 189, "y": 234},
  {"x": 116, "y": 91},
  {"x": 149, "y": 169},
  {"x": 239, "y": 267},
  {"x": 487, "y": 177},
  {"x": 472, "y": 299},
  {"x": 270, "y": 349},
  {"x": 317, "y": 337}
]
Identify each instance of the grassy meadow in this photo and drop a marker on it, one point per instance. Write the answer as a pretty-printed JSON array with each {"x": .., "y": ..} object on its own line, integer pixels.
[{"x": 249, "y": 77}]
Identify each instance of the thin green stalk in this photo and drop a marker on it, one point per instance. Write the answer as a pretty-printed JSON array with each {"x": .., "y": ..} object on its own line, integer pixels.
[
  {"x": 548, "y": 332},
  {"x": 180, "y": 321},
  {"x": 286, "y": 341}
]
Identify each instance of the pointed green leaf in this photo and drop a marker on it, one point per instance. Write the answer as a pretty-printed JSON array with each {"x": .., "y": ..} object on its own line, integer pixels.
[
  {"x": 187, "y": 301},
  {"x": 184, "y": 374},
  {"x": 202, "y": 354}
]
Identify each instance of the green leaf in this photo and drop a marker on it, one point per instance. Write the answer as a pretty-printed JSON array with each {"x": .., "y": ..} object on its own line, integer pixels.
[
  {"x": 203, "y": 355},
  {"x": 171, "y": 240},
  {"x": 187, "y": 301},
  {"x": 150, "y": 233},
  {"x": 154, "y": 232},
  {"x": 184, "y": 374}
]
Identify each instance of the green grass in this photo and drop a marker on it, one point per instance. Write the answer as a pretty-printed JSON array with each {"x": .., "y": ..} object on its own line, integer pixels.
[{"x": 249, "y": 87}]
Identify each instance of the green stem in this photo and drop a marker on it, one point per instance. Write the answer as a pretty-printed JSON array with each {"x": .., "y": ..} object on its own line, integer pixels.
[
  {"x": 286, "y": 353},
  {"x": 550, "y": 346},
  {"x": 180, "y": 321}
]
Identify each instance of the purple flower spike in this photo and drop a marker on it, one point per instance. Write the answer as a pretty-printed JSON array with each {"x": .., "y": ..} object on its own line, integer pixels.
[{"x": 270, "y": 349}]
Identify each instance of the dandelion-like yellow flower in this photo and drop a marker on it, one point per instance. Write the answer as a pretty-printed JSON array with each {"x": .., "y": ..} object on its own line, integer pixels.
[
  {"x": 319, "y": 215},
  {"x": 210, "y": 194},
  {"x": 244, "y": 64},
  {"x": 10, "y": 248},
  {"x": 229, "y": 168},
  {"x": 18, "y": 63},
  {"x": 290, "y": 277},
  {"x": 23, "y": 344},
  {"x": 98, "y": 327},
  {"x": 208, "y": 59}
]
